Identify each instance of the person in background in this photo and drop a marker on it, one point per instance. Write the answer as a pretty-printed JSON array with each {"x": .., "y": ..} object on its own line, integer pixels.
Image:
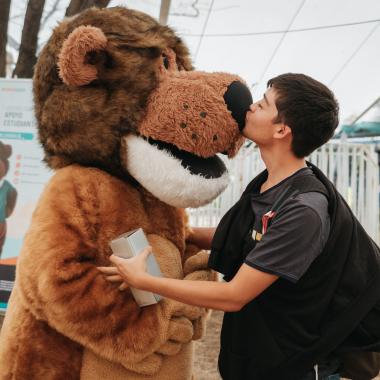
[{"x": 8, "y": 194}]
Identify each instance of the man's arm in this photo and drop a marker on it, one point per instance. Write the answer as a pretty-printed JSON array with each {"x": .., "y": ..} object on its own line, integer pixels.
[
  {"x": 201, "y": 237},
  {"x": 247, "y": 284}
]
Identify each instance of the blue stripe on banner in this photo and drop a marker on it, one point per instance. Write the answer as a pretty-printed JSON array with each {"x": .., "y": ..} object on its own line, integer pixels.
[
  {"x": 16, "y": 135},
  {"x": 3, "y": 305}
]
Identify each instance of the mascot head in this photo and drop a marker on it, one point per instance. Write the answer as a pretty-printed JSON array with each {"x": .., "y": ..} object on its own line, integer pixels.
[{"x": 114, "y": 89}]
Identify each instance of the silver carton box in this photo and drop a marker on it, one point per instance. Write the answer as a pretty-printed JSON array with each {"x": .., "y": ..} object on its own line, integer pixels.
[{"x": 128, "y": 245}]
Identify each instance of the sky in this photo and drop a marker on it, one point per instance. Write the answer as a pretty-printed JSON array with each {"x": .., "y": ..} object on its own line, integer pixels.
[{"x": 335, "y": 41}]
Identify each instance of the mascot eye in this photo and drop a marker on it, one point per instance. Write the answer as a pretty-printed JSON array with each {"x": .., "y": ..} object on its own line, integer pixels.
[{"x": 165, "y": 61}]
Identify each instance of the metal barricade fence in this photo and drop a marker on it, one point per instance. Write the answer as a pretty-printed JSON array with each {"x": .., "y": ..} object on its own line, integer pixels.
[{"x": 353, "y": 168}]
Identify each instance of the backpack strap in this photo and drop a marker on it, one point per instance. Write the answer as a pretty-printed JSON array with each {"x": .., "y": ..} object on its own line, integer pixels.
[{"x": 308, "y": 184}]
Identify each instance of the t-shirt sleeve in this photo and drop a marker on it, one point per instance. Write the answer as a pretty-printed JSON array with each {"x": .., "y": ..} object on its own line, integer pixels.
[{"x": 295, "y": 238}]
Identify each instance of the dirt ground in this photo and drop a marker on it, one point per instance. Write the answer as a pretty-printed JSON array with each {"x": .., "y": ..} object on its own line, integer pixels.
[{"x": 206, "y": 350}]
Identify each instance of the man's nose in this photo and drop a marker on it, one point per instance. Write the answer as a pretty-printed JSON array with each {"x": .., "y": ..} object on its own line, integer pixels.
[{"x": 253, "y": 107}]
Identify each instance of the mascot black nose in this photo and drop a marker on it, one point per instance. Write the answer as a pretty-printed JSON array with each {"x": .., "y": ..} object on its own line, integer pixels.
[{"x": 238, "y": 99}]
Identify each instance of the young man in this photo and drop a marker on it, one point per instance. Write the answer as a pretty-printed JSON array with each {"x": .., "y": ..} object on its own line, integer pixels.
[{"x": 273, "y": 248}]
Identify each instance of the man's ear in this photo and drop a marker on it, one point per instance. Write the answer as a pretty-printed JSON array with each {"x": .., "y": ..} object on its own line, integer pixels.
[
  {"x": 74, "y": 66},
  {"x": 282, "y": 131}
]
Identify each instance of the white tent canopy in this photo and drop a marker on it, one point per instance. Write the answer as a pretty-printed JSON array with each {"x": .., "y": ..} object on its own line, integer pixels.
[{"x": 334, "y": 41}]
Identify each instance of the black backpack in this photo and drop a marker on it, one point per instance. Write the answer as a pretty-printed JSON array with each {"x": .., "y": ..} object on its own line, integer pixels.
[
  {"x": 359, "y": 352},
  {"x": 349, "y": 263}
]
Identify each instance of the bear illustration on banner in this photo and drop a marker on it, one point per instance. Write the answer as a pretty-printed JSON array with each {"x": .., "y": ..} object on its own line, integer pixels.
[{"x": 8, "y": 194}]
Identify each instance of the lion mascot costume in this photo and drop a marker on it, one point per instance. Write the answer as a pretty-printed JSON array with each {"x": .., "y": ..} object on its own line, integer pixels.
[{"x": 132, "y": 134}]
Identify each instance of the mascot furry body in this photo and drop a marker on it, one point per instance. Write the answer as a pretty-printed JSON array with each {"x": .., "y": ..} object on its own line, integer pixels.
[{"x": 132, "y": 134}]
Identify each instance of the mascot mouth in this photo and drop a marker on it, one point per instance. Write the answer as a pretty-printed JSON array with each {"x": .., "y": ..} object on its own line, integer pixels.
[
  {"x": 176, "y": 177},
  {"x": 211, "y": 167}
]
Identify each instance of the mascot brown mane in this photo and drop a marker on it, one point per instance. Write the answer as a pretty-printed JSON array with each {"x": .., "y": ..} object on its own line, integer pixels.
[{"x": 133, "y": 135}]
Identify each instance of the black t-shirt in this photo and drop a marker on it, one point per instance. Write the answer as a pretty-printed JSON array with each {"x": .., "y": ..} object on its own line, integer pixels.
[{"x": 296, "y": 235}]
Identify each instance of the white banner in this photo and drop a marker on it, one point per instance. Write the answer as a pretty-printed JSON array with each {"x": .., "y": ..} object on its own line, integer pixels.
[{"x": 26, "y": 175}]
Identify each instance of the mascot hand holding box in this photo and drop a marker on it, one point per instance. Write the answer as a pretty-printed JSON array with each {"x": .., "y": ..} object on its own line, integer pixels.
[{"x": 132, "y": 134}]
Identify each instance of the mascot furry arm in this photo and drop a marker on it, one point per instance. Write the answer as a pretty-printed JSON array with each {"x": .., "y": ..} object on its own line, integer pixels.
[{"x": 59, "y": 281}]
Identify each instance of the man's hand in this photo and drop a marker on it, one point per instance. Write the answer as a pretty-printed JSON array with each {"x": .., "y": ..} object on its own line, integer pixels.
[{"x": 130, "y": 271}]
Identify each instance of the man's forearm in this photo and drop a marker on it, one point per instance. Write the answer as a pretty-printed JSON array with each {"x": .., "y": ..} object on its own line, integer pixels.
[
  {"x": 209, "y": 294},
  {"x": 246, "y": 285},
  {"x": 202, "y": 237}
]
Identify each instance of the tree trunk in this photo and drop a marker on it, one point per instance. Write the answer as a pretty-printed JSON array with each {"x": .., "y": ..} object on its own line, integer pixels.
[
  {"x": 164, "y": 11},
  {"x": 27, "y": 54},
  {"x": 4, "y": 17},
  {"x": 77, "y": 6}
]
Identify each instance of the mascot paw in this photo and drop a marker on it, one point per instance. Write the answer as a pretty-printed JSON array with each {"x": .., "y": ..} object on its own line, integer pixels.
[
  {"x": 181, "y": 331},
  {"x": 196, "y": 262},
  {"x": 202, "y": 275},
  {"x": 149, "y": 366},
  {"x": 199, "y": 325},
  {"x": 173, "y": 308}
]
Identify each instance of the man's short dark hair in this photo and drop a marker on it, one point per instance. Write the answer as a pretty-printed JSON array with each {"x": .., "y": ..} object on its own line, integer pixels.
[{"x": 308, "y": 107}]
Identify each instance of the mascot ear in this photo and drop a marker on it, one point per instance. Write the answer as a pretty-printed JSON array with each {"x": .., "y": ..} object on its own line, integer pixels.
[{"x": 73, "y": 66}]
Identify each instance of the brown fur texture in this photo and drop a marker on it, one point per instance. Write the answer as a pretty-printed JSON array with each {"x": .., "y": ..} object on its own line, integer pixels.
[
  {"x": 62, "y": 303},
  {"x": 195, "y": 99},
  {"x": 73, "y": 69},
  {"x": 65, "y": 321},
  {"x": 84, "y": 124}
]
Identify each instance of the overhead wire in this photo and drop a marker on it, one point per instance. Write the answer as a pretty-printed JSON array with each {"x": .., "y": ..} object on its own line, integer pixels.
[
  {"x": 350, "y": 58},
  {"x": 373, "y": 104},
  {"x": 269, "y": 32},
  {"x": 204, "y": 30},
  {"x": 284, "y": 33},
  {"x": 276, "y": 49}
]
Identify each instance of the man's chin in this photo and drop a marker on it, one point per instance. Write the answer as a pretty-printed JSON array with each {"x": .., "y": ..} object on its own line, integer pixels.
[{"x": 246, "y": 132}]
